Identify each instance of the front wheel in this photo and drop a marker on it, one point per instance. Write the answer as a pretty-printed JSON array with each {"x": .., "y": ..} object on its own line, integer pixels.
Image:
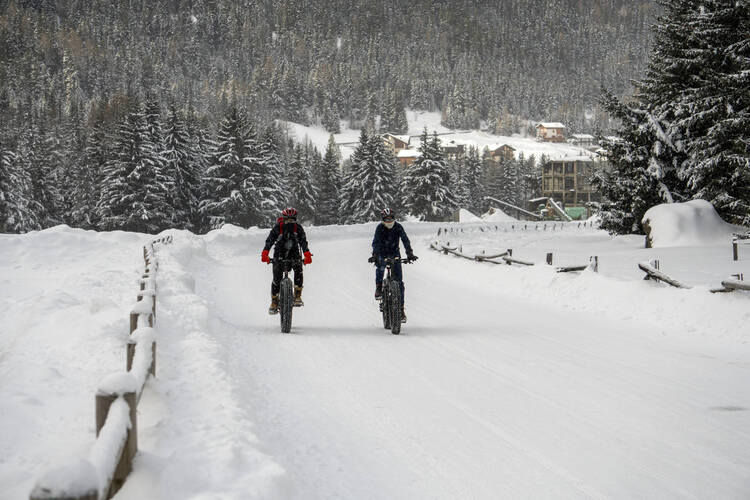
[
  {"x": 286, "y": 300},
  {"x": 385, "y": 305},
  {"x": 394, "y": 304}
]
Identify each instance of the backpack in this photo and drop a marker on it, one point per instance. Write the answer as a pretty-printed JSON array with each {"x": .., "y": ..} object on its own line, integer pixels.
[{"x": 287, "y": 241}]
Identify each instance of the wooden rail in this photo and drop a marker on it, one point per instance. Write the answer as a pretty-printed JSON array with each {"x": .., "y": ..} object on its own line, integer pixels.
[
  {"x": 102, "y": 473},
  {"x": 653, "y": 273}
]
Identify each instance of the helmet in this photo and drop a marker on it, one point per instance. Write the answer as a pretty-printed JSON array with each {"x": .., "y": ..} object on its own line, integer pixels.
[
  {"x": 387, "y": 215},
  {"x": 289, "y": 213}
]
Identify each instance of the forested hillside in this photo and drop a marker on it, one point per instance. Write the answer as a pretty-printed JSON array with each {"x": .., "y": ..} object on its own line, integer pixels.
[
  {"x": 143, "y": 115},
  {"x": 301, "y": 60}
]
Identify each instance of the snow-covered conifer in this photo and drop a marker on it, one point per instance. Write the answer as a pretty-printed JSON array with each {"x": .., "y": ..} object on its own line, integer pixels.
[
  {"x": 16, "y": 213},
  {"x": 329, "y": 185},
  {"x": 230, "y": 181},
  {"x": 134, "y": 194},
  {"x": 426, "y": 184},
  {"x": 301, "y": 189}
]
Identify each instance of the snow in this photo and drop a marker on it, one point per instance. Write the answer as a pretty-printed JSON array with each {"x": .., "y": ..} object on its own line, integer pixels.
[
  {"x": 693, "y": 223},
  {"x": 497, "y": 215},
  {"x": 78, "y": 478},
  {"x": 419, "y": 120},
  {"x": 118, "y": 383},
  {"x": 506, "y": 382},
  {"x": 466, "y": 216}
]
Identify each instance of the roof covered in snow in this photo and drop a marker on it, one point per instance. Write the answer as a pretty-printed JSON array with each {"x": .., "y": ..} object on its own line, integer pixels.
[
  {"x": 408, "y": 153},
  {"x": 551, "y": 125}
]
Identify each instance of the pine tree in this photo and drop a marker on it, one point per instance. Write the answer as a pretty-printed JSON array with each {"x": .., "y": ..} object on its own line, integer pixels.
[
  {"x": 299, "y": 183},
  {"x": 474, "y": 174},
  {"x": 135, "y": 192},
  {"x": 183, "y": 169},
  {"x": 88, "y": 175},
  {"x": 16, "y": 207},
  {"x": 718, "y": 115},
  {"x": 230, "y": 182},
  {"x": 371, "y": 181},
  {"x": 329, "y": 183},
  {"x": 426, "y": 185},
  {"x": 271, "y": 175}
]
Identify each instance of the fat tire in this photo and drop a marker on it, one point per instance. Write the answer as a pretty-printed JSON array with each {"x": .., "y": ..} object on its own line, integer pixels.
[
  {"x": 385, "y": 305},
  {"x": 286, "y": 301},
  {"x": 395, "y": 307}
]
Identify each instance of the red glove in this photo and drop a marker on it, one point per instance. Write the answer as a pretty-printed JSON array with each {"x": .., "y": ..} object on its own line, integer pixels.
[
  {"x": 264, "y": 257},
  {"x": 308, "y": 258}
]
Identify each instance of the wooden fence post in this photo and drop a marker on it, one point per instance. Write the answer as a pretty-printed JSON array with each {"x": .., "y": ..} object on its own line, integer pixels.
[
  {"x": 549, "y": 258},
  {"x": 735, "y": 250},
  {"x": 104, "y": 399},
  {"x": 594, "y": 263}
]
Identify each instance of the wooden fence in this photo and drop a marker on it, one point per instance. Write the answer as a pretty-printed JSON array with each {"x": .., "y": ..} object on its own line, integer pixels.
[
  {"x": 102, "y": 473},
  {"x": 508, "y": 258},
  {"x": 651, "y": 268}
]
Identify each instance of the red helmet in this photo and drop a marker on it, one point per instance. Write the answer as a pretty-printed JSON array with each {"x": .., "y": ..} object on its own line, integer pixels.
[
  {"x": 289, "y": 213},
  {"x": 387, "y": 215}
]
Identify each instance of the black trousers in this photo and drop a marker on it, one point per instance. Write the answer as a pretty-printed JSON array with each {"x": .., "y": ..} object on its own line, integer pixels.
[{"x": 278, "y": 275}]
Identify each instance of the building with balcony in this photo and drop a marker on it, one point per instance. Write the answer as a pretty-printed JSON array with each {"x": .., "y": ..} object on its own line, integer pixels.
[{"x": 568, "y": 181}]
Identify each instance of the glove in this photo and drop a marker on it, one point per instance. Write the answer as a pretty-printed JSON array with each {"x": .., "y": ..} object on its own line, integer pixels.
[
  {"x": 411, "y": 256},
  {"x": 373, "y": 258},
  {"x": 308, "y": 258},
  {"x": 264, "y": 257}
]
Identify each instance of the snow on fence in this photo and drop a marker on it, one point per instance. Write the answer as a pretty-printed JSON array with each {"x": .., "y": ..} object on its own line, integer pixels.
[
  {"x": 102, "y": 473},
  {"x": 517, "y": 226},
  {"x": 508, "y": 258},
  {"x": 651, "y": 268}
]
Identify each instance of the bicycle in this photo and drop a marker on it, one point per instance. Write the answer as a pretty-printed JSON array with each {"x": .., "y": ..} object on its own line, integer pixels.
[
  {"x": 390, "y": 301},
  {"x": 286, "y": 293}
]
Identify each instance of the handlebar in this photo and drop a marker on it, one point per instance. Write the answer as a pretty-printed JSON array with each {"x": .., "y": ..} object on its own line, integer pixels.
[
  {"x": 393, "y": 260},
  {"x": 272, "y": 260}
]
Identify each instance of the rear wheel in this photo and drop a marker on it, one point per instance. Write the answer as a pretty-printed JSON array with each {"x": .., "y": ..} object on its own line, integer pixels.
[
  {"x": 286, "y": 300},
  {"x": 395, "y": 307},
  {"x": 385, "y": 305}
]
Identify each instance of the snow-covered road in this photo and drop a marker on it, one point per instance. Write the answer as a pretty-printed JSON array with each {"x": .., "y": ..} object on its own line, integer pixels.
[{"x": 484, "y": 395}]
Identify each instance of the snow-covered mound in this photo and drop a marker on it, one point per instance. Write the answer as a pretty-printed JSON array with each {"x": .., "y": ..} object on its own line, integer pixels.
[
  {"x": 693, "y": 223},
  {"x": 466, "y": 216},
  {"x": 497, "y": 215}
]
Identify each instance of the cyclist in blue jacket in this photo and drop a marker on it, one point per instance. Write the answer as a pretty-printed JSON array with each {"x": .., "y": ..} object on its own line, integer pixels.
[{"x": 386, "y": 244}]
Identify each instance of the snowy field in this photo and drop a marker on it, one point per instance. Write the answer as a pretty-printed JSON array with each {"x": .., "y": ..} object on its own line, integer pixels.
[
  {"x": 419, "y": 120},
  {"x": 506, "y": 382}
]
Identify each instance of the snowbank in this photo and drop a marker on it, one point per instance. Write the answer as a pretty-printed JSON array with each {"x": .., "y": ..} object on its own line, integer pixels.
[
  {"x": 497, "y": 215},
  {"x": 466, "y": 216},
  {"x": 693, "y": 223}
]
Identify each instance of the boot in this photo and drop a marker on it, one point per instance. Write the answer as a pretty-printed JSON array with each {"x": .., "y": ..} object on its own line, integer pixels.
[
  {"x": 298, "y": 296},
  {"x": 378, "y": 291},
  {"x": 403, "y": 315},
  {"x": 274, "y": 307}
]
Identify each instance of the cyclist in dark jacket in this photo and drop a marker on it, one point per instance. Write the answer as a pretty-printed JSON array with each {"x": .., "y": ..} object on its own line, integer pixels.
[
  {"x": 289, "y": 238},
  {"x": 385, "y": 243}
]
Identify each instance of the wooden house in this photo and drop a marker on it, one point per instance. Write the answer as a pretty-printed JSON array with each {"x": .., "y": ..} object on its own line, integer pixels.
[
  {"x": 407, "y": 156},
  {"x": 396, "y": 143},
  {"x": 500, "y": 152},
  {"x": 550, "y": 132}
]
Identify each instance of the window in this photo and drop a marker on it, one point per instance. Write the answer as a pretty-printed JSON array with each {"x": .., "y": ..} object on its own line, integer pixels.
[
  {"x": 558, "y": 183},
  {"x": 548, "y": 168},
  {"x": 568, "y": 168},
  {"x": 558, "y": 168},
  {"x": 548, "y": 183},
  {"x": 569, "y": 183}
]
